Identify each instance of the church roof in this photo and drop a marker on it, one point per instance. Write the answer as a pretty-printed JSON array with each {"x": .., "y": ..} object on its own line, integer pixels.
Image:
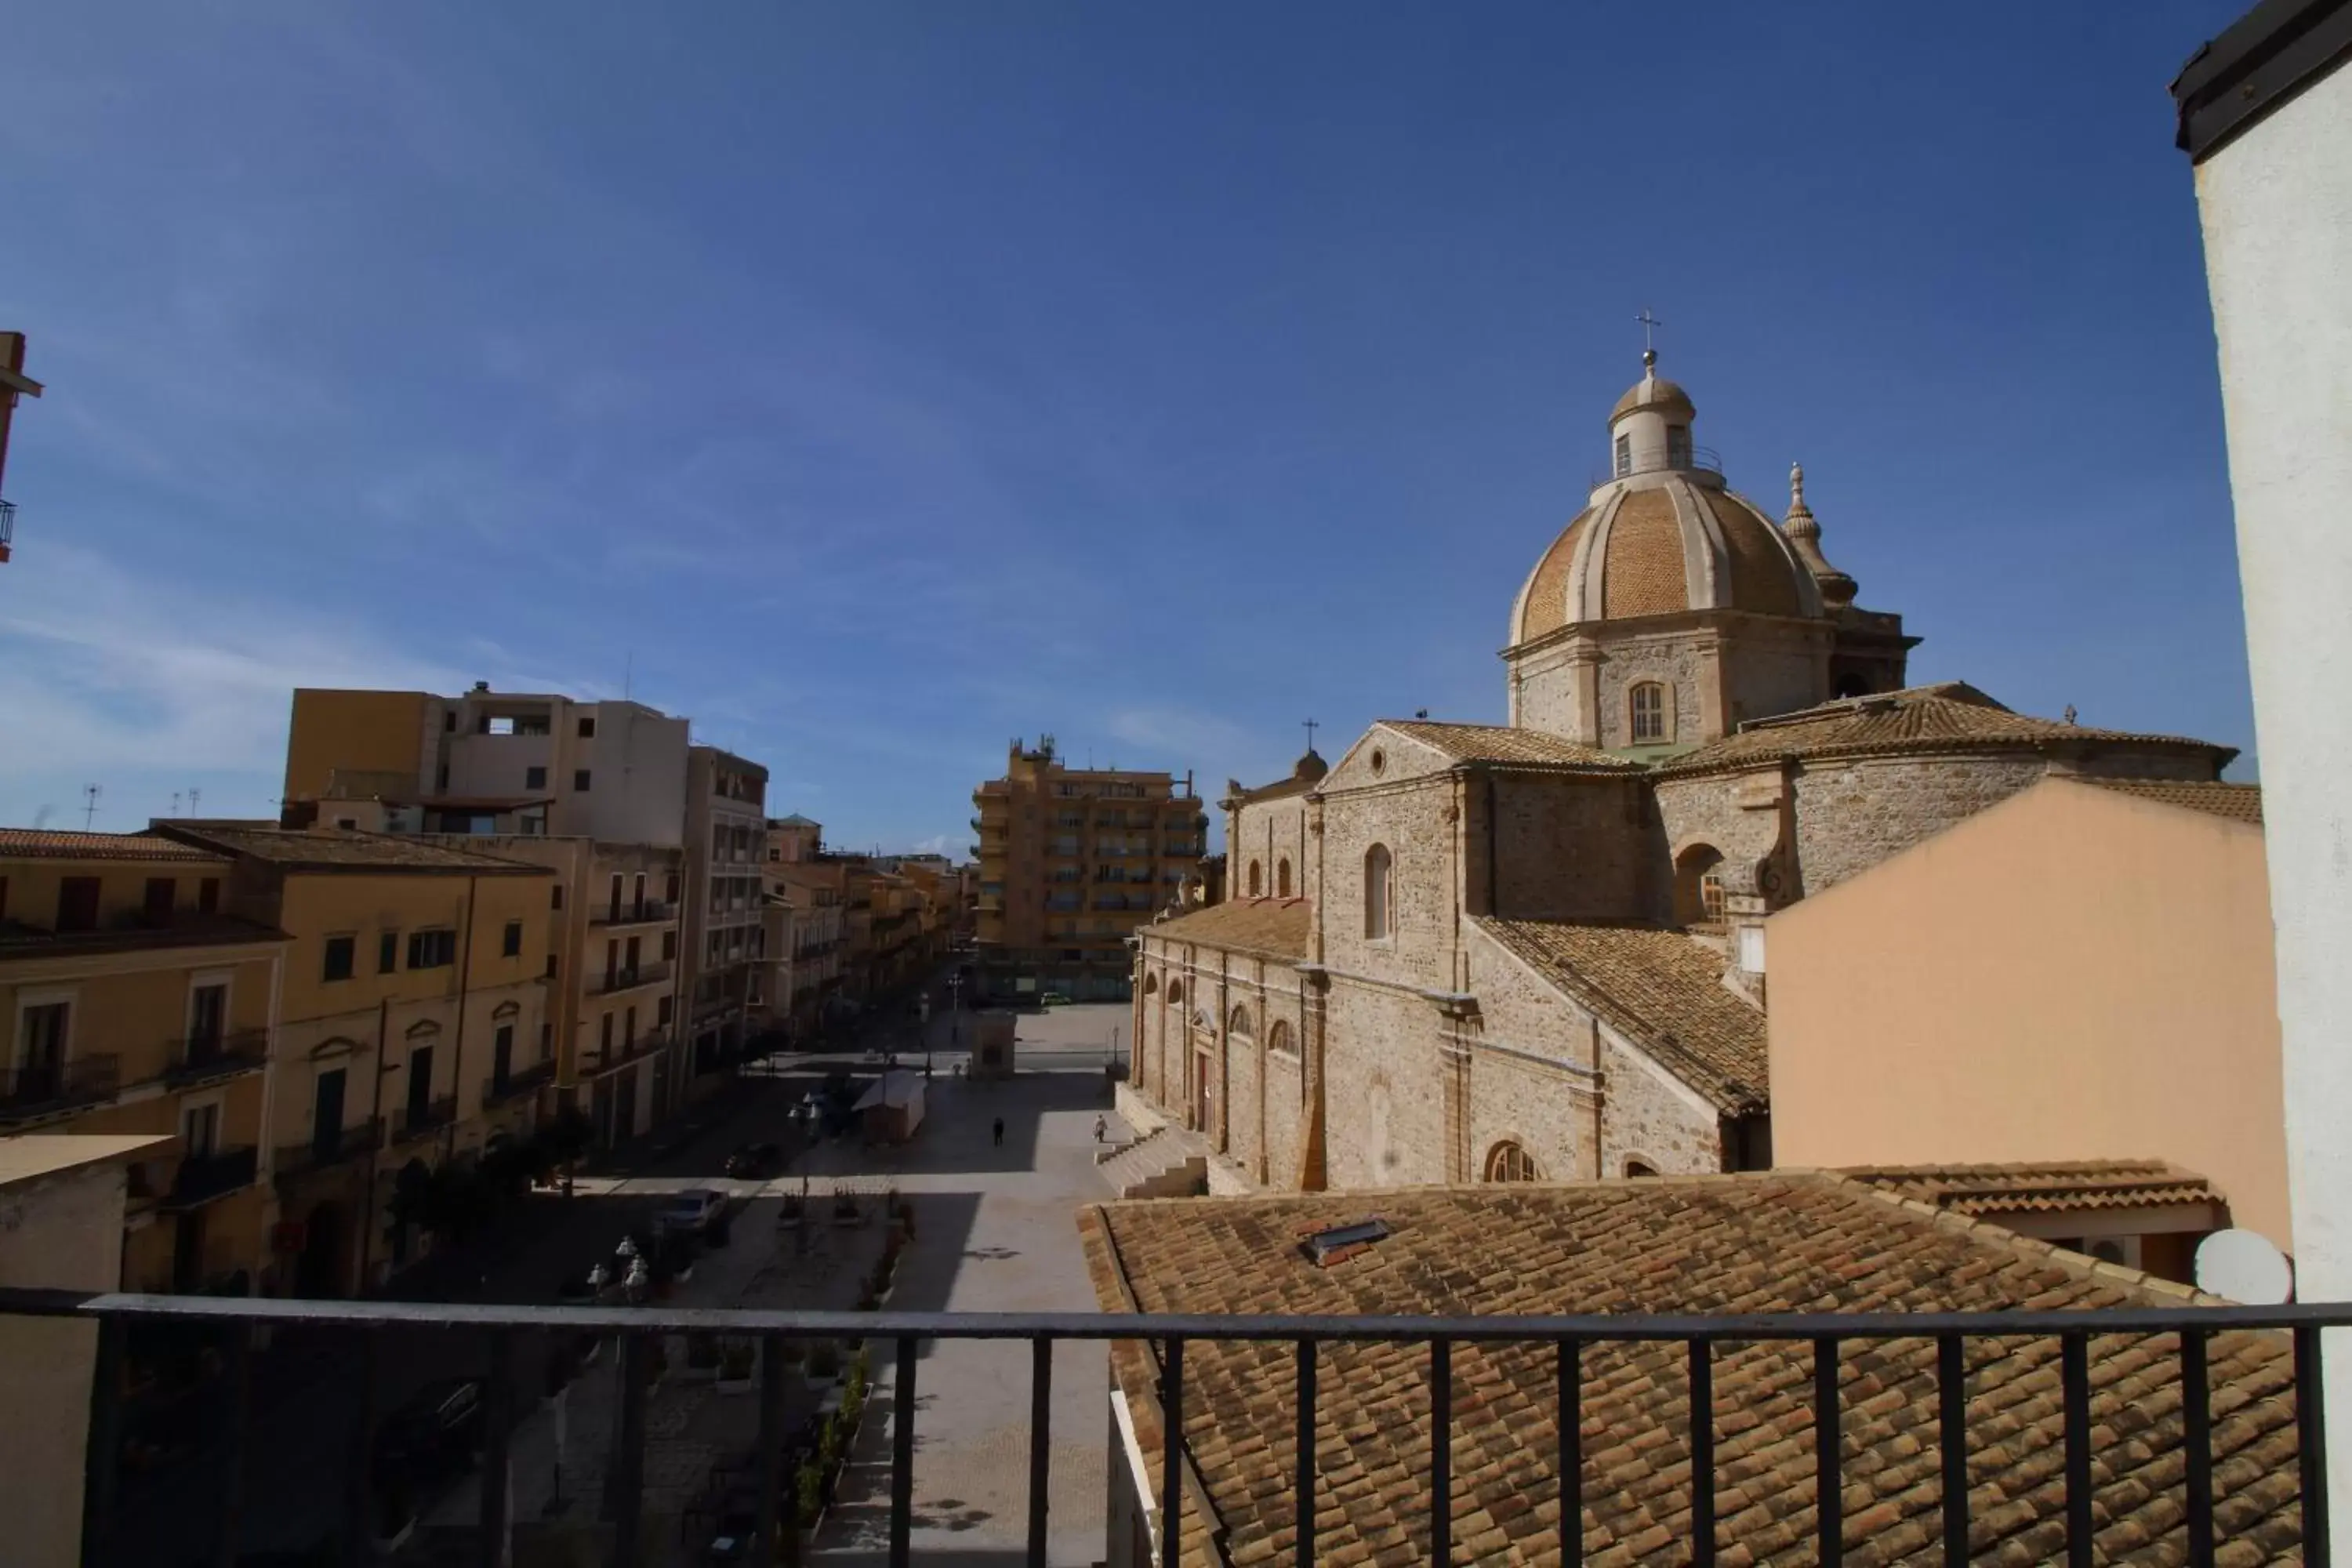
[
  {"x": 1277, "y": 928},
  {"x": 1654, "y": 392},
  {"x": 1952, "y": 716},
  {"x": 1670, "y": 545},
  {"x": 2235, "y": 802},
  {"x": 2031, "y": 1187},
  {"x": 1501, "y": 743},
  {"x": 46, "y": 844},
  {"x": 1662, "y": 990},
  {"x": 1761, "y": 1242}
]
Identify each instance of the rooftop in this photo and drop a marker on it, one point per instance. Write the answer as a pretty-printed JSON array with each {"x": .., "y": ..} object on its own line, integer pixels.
[
  {"x": 42, "y": 844},
  {"x": 1664, "y": 990},
  {"x": 2234, "y": 802},
  {"x": 1951, "y": 716},
  {"x": 2029, "y": 1187},
  {"x": 336, "y": 849},
  {"x": 1504, "y": 744},
  {"x": 1276, "y": 926},
  {"x": 1763, "y": 1243},
  {"x": 31, "y": 1156}
]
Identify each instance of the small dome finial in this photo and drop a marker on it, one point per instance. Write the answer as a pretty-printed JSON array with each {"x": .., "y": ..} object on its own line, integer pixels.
[
  {"x": 1650, "y": 324},
  {"x": 1796, "y": 488},
  {"x": 1804, "y": 531}
]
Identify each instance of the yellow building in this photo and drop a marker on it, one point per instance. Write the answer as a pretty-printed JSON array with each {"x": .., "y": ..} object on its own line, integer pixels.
[
  {"x": 137, "y": 1000},
  {"x": 411, "y": 1029}
]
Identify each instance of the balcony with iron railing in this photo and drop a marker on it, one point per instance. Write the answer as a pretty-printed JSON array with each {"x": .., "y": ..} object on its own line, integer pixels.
[
  {"x": 1567, "y": 1471},
  {"x": 629, "y": 977},
  {"x": 633, "y": 912},
  {"x": 203, "y": 1058},
  {"x": 40, "y": 1090},
  {"x": 516, "y": 1085},
  {"x": 625, "y": 1053},
  {"x": 320, "y": 1154},
  {"x": 1702, "y": 458},
  {"x": 413, "y": 1120},
  {"x": 202, "y": 1178}
]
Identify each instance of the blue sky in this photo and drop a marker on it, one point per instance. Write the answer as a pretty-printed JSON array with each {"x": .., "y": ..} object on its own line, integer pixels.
[{"x": 875, "y": 382}]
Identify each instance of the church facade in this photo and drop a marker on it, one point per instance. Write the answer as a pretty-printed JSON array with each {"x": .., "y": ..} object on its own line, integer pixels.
[{"x": 1535, "y": 950}]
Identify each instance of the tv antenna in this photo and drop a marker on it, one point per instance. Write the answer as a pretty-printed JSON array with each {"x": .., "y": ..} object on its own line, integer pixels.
[
  {"x": 89, "y": 806},
  {"x": 195, "y": 798}
]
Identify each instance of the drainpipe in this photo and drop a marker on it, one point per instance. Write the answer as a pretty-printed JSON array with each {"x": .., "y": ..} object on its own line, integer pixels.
[{"x": 458, "y": 1053}]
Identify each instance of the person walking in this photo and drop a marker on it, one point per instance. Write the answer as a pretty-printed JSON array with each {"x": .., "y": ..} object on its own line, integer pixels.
[
  {"x": 1000, "y": 1133},
  {"x": 1100, "y": 1127}
]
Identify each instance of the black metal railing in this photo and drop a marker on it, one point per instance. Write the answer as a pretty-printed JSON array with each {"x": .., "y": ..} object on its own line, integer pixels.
[
  {"x": 633, "y": 912},
  {"x": 631, "y": 976},
  {"x": 200, "y": 1178},
  {"x": 515, "y": 1085},
  {"x": 331, "y": 1148},
  {"x": 202, "y": 1056},
  {"x": 49, "y": 1087},
  {"x": 1566, "y": 1338},
  {"x": 1704, "y": 458},
  {"x": 7, "y": 527},
  {"x": 415, "y": 1120}
]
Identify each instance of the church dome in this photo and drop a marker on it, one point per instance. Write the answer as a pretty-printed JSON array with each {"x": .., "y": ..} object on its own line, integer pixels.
[
  {"x": 1310, "y": 766},
  {"x": 1664, "y": 534}
]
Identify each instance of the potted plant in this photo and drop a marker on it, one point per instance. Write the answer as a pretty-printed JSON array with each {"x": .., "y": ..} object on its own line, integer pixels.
[
  {"x": 737, "y": 1361},
  {"x": 845, "y": 1206}
]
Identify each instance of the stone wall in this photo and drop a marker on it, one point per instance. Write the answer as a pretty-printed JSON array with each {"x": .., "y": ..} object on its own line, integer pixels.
[
  {"x": 1852, "y": 814},
  {"x": 1565, "y": 846},
  {"x": 1258, "y": 1132},
  {"x": 1415, "y": 821},
  {"x": 1742, "y": 816},
  {"x": 1543, "y": 693},
  {"x": 1266, "y": 833},
  {"x": 1383, "y": 1088},
  {"x": 1684, "y": 661},
  {"x": 1772, "y": 669}
]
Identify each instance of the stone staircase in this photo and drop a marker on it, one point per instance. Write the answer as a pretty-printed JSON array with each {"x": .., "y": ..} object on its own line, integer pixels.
[{"x": 1172, "y": 1162}]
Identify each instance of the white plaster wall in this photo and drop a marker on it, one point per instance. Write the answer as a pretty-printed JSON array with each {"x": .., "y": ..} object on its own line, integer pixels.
[{"x": 2276, "y": 206}]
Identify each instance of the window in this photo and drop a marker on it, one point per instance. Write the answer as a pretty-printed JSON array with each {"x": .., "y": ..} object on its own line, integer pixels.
[
  {"x": 669, "y": 944},
  {"x": 604, "y": 1036},
  {"x": 662, "y": 1010},
  {"x": 200, "y": 1131},
  {"x": 208, "y": 896},
  {"x": 441, "y": 778},
  {"x": 1256, "y": 879},
  {"x": 1698, "y": 885},
  {"x": 157, "y": 905},
  {"x": 1507, "y": 1162},
  {"x": 580, "y": 780},
  {"x": 1277, "y": 1038},
  {"x": 41, "y": 1046},
  {"x": 448, "y": 724},
  {"x": 387, "y": 952},
  {"x": 555, "y": 896},
  {"x": 1624, "y": 456},
  {"x": 1678, "y": 446},
  {"x": 348, "y": 824},
  {"x": 1379, "y": 918},
  {"x": 432, "y": 948},
  {"x": 1648, "y": 699},
  {"x": 496, "y": 726},
  {"x": 587, "y": 729},
  {"x": 78, "y": 903},
  {"x": 1635, "y": 1168},
  {"x": 670, "y": 894},
  {"x": 1239, "y": 1024},
  {"x": 513, "y": 946},
  {"x": 534, "y": 778},
  {"x": 338, "y": 959},
  {"x": 1282, "y": 877}
]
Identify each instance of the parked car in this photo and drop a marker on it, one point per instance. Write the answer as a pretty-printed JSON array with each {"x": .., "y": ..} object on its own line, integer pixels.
[
  {"x": 755, "y": 1161},
  {"x": 1054, "y": 999},
  {"x": 688, "y": 1213},
  {"x": 435, "y": 1435}
]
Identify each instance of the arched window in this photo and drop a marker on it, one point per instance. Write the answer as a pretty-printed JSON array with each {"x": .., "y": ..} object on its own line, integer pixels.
[
  {"x": 1256, "y": 879},
  {"x": 1678, "y": 446},
  {"x": 1282, "y": 877},
  {"x": 1636, "y": 1168},
  {"x": 1150, "y": 984},
  {"x": 1239, "y": 1024},
  {"x": 1698, "y": 886},
  {"x": 1851, "y": 685},
  {"x": 1624, "y": 456},
  {"x": 1378, "y": 916},
  {"x": 1175, "y": 994},
  {"x": 1277, "y": 1038},
  {"x": 1648, "y": 702},
  {"x": 1507, "y": 1162}
]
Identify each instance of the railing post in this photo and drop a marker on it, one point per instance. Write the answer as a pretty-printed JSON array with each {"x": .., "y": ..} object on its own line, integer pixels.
[
  {"x": 2311, "y": 1442},
  {"x": 101, "y": 1464},
  {"x": 1571, "y": 1452},
  {"x": 1441, "y": 1452},
  {"x": 1829, "y": 1428},
  {"x": 1171, "y": 1493},
  {"x": 1702, "y": 1451},
  {"x": 1302, "y": 1495},
  {"x": 2196, "y": 1444},
  {"x": 626, "y": 1468},
  {"x": 238, "y": 1375},
  {"x": 1952, "y": 1439},
  {"x": 2075, "y": 1385},
  {"x": 771, "y": 1455},
  {"x": 359, "y": 1504},
  {"x": 1041, "y": 1419},
  {"x": 902, "y": 1456},
  {"x": 498, "y": 1428}
]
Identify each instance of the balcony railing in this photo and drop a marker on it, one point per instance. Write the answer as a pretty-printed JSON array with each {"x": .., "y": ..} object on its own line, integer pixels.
[
  {"x": 614, "y": 981},
  {"x": 633, "y": 911},
  {"x": 28, "y": 1092},
  {"x": 1703, "y": 459},
  {"x": 205, "y": 1177},
  {"x": 415, "y": 1120},
  {"x": 620, "y": 1055},
  {"x": 515, "y": 1085},
  {"x": 321, "y": 1153},
  {"x": 7, "y": 527},
  {"x": 205, "y": 1057},
  {"x": 1561, "y": 1342}
]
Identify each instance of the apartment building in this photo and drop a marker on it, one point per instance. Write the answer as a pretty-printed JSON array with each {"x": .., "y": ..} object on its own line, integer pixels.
[
  {"x": 411, "y": 999},
  {"x": 1071, "y": 862},
  {"x": 137, "y": 1003},
  {"x": 726, "y": 845},
  {"x": 816, "y": 888}
]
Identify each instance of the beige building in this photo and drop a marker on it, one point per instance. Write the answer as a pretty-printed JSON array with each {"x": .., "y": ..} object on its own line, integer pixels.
[
  {"x": 815, "y": 887},
  {"x": 723, "y": 936},
  {"x": 411, "y": 1002},
  {"x": 1535, "y": 950},
  {"x": 1071, "y": 862},
  {"x": 138, "y": 999},
  {"x": 2081, "y": 973}
]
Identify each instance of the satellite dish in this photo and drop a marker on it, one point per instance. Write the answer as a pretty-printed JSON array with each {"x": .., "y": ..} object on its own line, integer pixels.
[{"x": 2244, "y": 1267}]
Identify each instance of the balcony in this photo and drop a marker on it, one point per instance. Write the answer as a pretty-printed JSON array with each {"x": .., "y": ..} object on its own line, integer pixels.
[
  {"x": 615, "y": 981},
  {"x": 31, "y": 1093},
  {"x": 601, "y": 1061},
  {"x": 412, "y": 1122},
  {"x": 635, "y": 913},
  {"x": 205, "y": 1177},
  {"x": 324, "y": 1153},
  {"x": 1564, "y": 1470},
  {"x": 204, "y": 1058},
  {"x": 517, "y": 1085}
]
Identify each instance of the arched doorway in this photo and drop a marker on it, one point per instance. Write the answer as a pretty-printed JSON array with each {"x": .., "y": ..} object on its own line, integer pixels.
[{"x": 1698, "y": 886}]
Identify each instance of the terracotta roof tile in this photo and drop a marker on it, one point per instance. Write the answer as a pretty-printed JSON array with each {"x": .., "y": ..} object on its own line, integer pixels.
[
  {"x": 1763, "y": 574},
  {"x": 1662, "y": 989},
  {"x": 1769, "y": 1241},
  {"x": 334, "y": 849},
  {"x": 1642, "y": 567},
  {"x": 1277, "y": 926},
  {"x": 1543, "y": 604},
  {"x": 1952, "y": 716},
  {"x": 40, "y": 844},
  {"x": 2238, "y": 803},
  {"x": 2029, "y": 1187},
  {"x": 1503, "y": 743}
]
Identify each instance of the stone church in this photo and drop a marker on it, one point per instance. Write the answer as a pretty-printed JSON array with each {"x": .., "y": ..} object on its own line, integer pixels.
[{"x": 1535, "y": 950}]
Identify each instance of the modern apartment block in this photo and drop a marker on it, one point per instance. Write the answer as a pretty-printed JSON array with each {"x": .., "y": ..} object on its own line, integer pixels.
[
  {"x": 726, "y": 845},
  {"x": 133, "y": 1003},
  {"x": 1071, "y": 862}
]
